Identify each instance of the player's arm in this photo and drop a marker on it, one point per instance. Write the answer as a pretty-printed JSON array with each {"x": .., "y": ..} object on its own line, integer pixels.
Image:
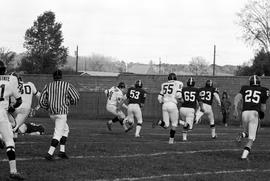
[
  {"x": 17, "y": 96},
  {"x": 43, "y": 101},
  {"x": 74, "y": 95},
  {"x": 161, "y": 95}
]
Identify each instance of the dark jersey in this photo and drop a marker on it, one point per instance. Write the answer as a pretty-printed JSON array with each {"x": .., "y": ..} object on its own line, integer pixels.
[
  {"x": 190, "y": 96},
  {"x": 207, "y": 94},
  {"x": 136, "y": 95},
  {"x": 253, "y": 97}
]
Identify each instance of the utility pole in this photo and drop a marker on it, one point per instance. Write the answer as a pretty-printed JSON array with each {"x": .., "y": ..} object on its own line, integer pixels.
[
  {"x": 159, "y": 66},
  {"x": 77, "y": 58},
  {"x": 214, "y": 61}
]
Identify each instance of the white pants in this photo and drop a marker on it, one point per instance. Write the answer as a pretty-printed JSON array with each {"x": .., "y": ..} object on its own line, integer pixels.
[
  {"x": 170, "y": 113},
  {"x": 6, "y": 129},
  {"x": 208, "y": 112},
  {"x": 21, "y": 115},
  {"x": 116, "y": 112},
  {"x": 134, "y": 110},
  {"x": 61, "y": 127},
  {"x": 187, "y": 114},
  {"x": 250, "y": 123}
]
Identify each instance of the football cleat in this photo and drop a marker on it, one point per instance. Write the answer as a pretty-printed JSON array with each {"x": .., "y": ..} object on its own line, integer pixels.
[
  {"x": 63, "y": 155},
  {"x": 109, "y": 126},
  {"x": 16, "y": 176},
  {"x": 49, "y": 157},
  {"x": 138, "y": 136},
  {"x": 214, "y": 137}
]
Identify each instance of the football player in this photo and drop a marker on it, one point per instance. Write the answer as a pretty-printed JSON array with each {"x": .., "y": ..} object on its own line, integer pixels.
[
  {"x": 190, "y": 97},
  {"x": 207, "y": 95},
  {"x": 254, "y": 98},
  {"x": 168, "y": 97},
  {"x": 28, "y": 90},
  {"x": 115, "y": 102},
  {"x": 136, "y": 98},
  {"x": 9, "y": 87}
]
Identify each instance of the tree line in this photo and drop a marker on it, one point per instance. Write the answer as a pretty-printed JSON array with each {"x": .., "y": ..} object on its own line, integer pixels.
[{"x": 45, "y": 52}]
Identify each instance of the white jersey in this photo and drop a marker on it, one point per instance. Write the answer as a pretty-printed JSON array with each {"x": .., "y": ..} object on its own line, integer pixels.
[
  {"x": 114, "y": 96},
  {"x": 8, "y": 87},
  {"x": 170, "y": 91},
  {"x": 27, "y": 91}
]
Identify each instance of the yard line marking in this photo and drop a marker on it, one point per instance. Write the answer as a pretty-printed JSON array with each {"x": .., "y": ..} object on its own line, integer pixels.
[
  {"x": 192, "y": 174},
  {"x": 136, "y": 155}
]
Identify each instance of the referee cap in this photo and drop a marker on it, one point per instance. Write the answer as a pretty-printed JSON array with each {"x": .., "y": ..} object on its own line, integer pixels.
[{"x": 57, "y": 75}]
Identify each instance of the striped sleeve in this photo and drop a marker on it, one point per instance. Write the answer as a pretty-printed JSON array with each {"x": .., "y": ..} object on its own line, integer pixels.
[
  {"x": 43, "y": 101},
  {"x": 73, "y": 95}
]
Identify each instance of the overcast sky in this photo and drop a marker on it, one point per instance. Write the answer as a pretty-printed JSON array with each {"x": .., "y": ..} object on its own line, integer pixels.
[{"x": 135, "y": 30}]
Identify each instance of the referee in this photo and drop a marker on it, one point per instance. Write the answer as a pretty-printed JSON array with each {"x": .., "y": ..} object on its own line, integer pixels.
[{"x": 56, "y": 97}]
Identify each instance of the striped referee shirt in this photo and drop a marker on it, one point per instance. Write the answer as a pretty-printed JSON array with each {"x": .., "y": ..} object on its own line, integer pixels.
[{"x": 57, "y": 96}]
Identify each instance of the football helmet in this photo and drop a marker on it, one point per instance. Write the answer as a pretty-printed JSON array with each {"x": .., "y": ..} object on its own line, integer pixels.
[
  {"x": 172, "y": 76},
  {"x": 191, "y": 82},
  {"x": 121, "y": 85},
  {"x": 138, "y": 84},
  {"x": 254, "y": 80},
  {"x": 209, "y": 83},
  {"x": 2, "y": 68}
]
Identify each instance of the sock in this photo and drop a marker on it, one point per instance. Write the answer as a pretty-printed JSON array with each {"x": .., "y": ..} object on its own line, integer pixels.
[
  {"x": 184, "y": 133},
  {"x": 245, "y": 152},
  {"x": 172, "y": 133},
  {"x": 138, "y": 129},
  {"x": 11, "y": 157},
  {"x": 63, "y": 141},
  {"x": 213, "y": 130},
  {"x": 54, "y": 144},
  {"x": 115, "y": 119}
]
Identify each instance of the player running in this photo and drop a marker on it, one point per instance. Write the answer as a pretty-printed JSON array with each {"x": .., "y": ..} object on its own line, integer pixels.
[
  {"x": 136, "y": 98},
  {"x": 254, "y": 98},
  {"x": 190, "y": 97},
  {"x": 168, "y": 97},
  {"x": 115, "y": 99},
  {"x": 9, "y": 87},
  {"x": 207, "y": 95},
  {"x": 28, "y": 90}
]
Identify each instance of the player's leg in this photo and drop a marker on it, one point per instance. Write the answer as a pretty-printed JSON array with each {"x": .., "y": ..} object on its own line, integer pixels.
[
  {"x": 129, "y": 120},
  {"x": 21, "y": 116},
  {"x": 138, "y": 116},
  {"x": 7, "y": 135},
  {"x": 63, "y": 140},
  {"x": 60, "y": 123},
  {"x": 250, "y": 117},
  {"x": 184, "y": 123},
  {"x": 198, "y": 115},
  {"x": 210, "y": 116},
  {"x": 189, "y": 121},
  {"x": 112, "y": 109},
  {"x": 174, "y": 116}
]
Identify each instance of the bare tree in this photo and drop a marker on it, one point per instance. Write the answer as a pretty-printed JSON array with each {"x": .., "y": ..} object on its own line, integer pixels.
[
  {"x": 254, "y": 19},
  {"x": 198, "y": 66}
]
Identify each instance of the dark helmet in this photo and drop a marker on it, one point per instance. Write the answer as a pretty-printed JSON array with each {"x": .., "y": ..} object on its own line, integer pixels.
[
  {"x": 138, "y": 84},
  {"x": 209, "y": 83},
  {"x": 191, "y": 82},
  {"x": 121, "y": 85},
  {"x": 254, "y": 80},
  {"x": 57, "y": 75},
  {"x": 172, "y": 76},
  {"x": 2, "y": 68}
]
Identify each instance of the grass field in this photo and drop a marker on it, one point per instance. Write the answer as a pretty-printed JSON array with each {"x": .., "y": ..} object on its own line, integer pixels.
[{"x": 97, "y": 154}]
